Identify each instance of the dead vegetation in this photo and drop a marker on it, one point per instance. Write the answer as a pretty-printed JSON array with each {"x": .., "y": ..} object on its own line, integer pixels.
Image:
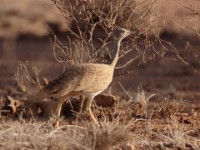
[
  {"x": 92, "y": 22},
  {"x": 32, "y": 135},
  {"x": 144, "y": 121},
  {"x": 126, "y": 124}
]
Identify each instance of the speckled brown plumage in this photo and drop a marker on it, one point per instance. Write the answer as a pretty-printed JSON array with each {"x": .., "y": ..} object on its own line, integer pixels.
[
  {"x": 84, "y": 79},
  {"x": 90, "y": 78}
]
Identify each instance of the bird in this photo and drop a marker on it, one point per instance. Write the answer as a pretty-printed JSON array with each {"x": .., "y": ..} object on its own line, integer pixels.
[{"x": 87, "y": 79}]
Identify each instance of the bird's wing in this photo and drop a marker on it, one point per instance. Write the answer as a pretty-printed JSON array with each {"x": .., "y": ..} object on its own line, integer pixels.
[{"x": 66, "y": 82}]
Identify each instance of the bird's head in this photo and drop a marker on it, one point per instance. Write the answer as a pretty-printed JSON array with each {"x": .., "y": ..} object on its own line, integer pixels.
[{"x": 120, "y": 33}]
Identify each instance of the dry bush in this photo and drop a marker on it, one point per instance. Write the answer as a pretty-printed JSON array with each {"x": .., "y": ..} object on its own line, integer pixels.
[
  {"x": 181, "y": 33},
  {"x": 28, "y": 78},
  {"x": 93, "y": 20},
  {"x": 36, "y": 135},
  {"x": 89, "y": 38},
  {"x": 191, "y": 19},
  {"x": 169, "y": 107}
]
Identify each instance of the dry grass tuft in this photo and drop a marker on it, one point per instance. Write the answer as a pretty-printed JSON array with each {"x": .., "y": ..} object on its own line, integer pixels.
[
  {"x": 168, "y": 107},
  {"x": 37, "y": 135}
]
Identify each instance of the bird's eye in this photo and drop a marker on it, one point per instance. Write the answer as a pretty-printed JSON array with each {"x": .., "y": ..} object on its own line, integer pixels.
[{"x": 15, "y": 104}]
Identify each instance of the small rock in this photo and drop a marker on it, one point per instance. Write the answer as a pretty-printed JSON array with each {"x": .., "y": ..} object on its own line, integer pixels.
[{"x": 105, "y": 100}]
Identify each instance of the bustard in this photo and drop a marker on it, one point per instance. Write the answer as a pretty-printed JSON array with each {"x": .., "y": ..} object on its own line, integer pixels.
[{"x": 88, "y": 79}]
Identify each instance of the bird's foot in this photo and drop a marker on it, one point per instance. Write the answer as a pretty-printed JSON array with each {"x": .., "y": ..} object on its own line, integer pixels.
[
  {"x": 56, "y": 124},
  {"x": 89, "y": 112}
]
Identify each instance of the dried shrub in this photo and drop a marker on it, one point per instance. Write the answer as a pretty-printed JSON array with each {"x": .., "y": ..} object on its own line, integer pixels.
[
  {"x": 28, "y": 78},
  {"x": 168, "y": 107},
  {"x": 89, "y": 38}
]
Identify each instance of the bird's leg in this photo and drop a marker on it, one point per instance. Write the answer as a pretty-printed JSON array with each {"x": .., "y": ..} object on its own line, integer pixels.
[
  {"x": 83, "y": 103},
  {"x": 88, "y": 109},
  {"x": 82, "y": 100},
  {"x": 58, "y": 109}
]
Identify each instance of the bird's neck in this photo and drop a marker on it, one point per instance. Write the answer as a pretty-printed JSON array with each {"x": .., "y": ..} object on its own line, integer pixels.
[{"x": 116, "y": 46}]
